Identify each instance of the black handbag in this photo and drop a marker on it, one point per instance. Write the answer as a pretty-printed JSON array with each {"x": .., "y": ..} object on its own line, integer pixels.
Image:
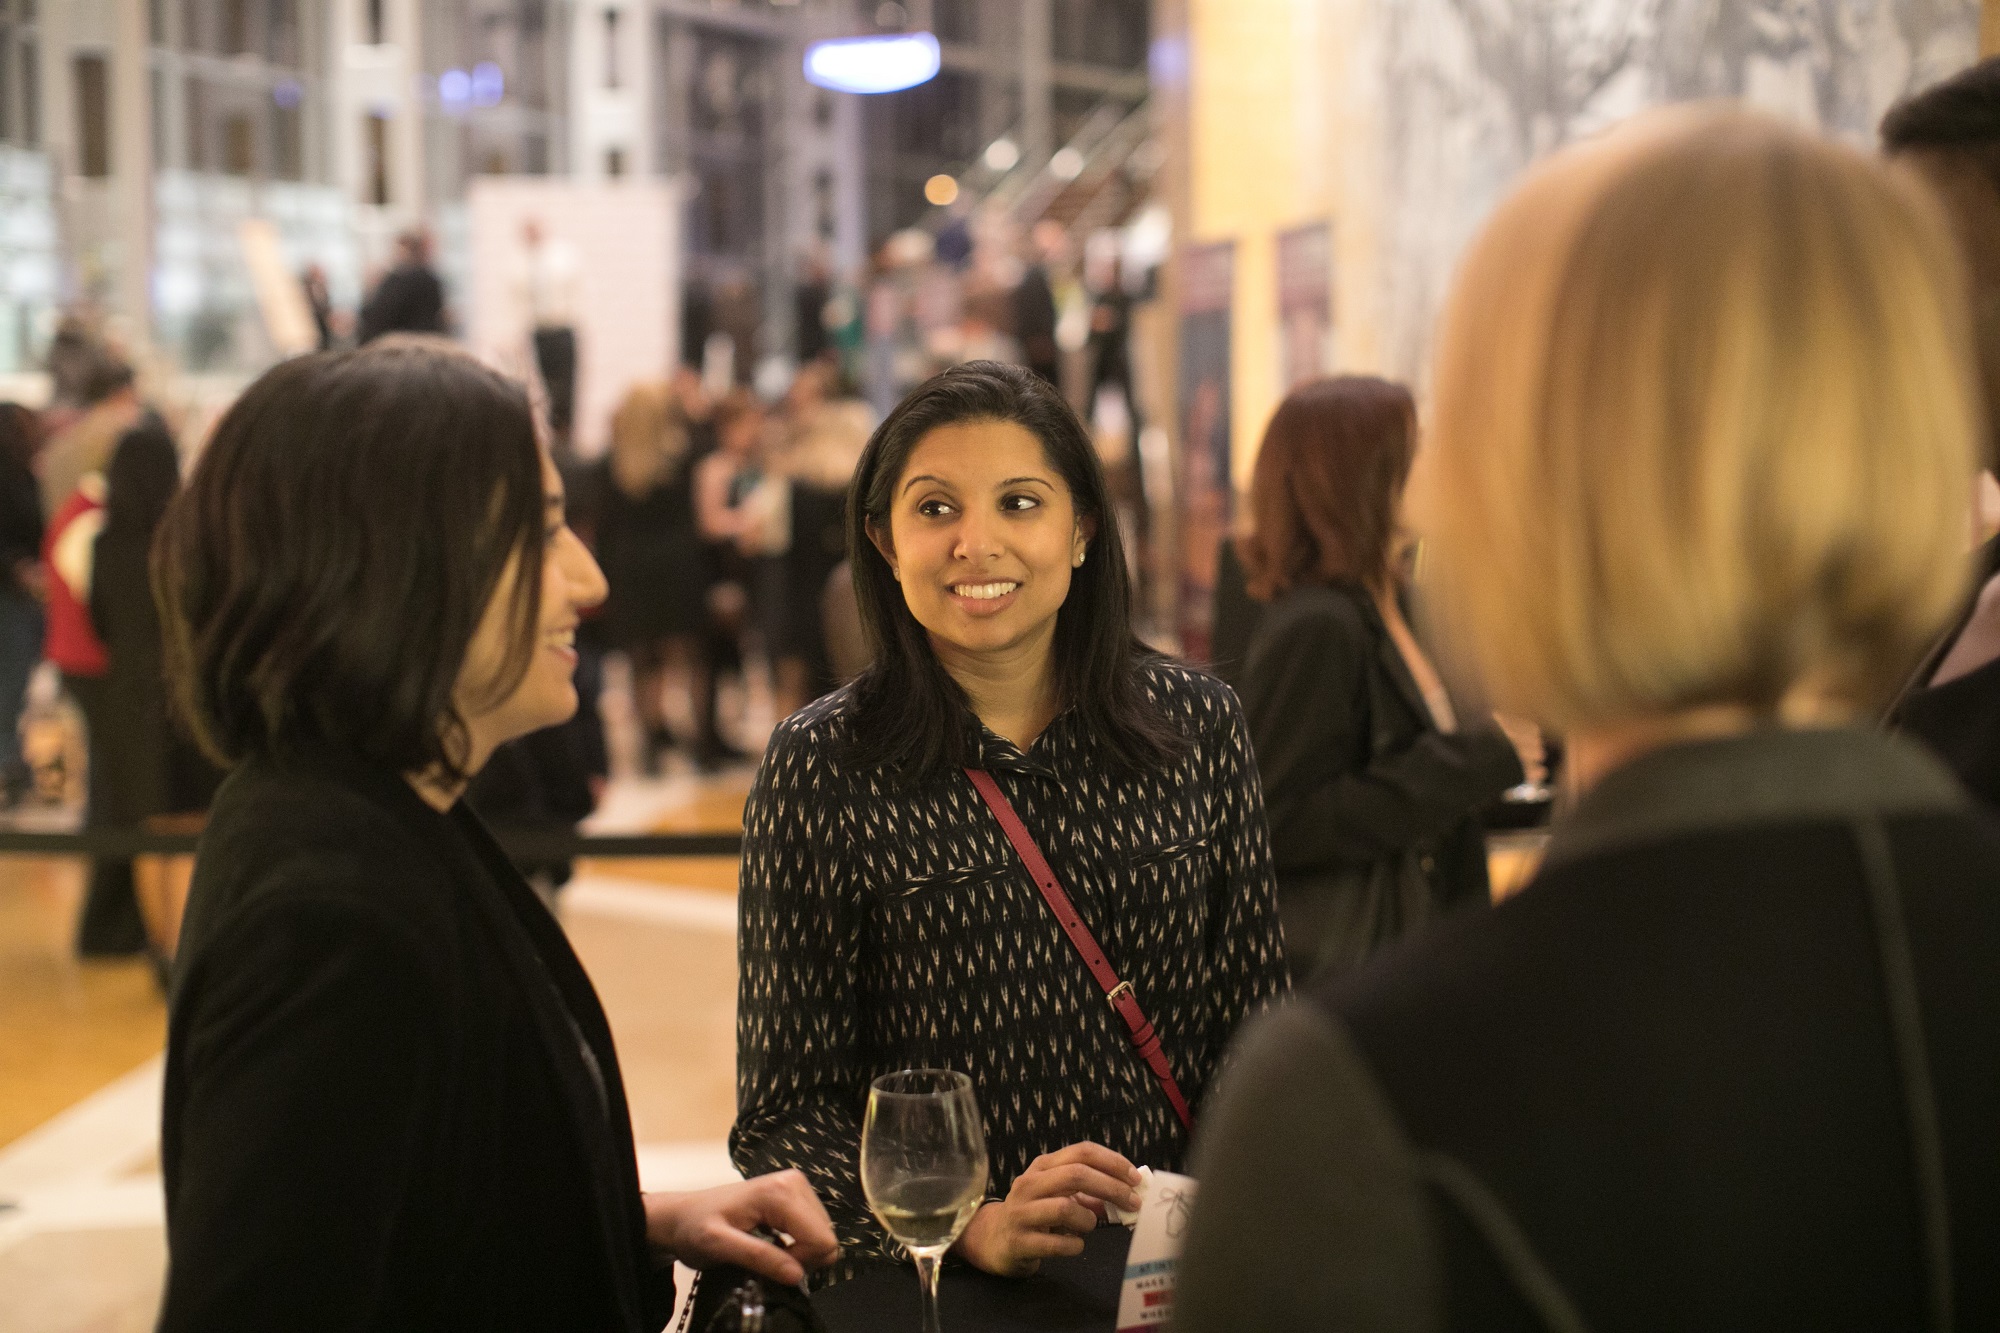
[
  {"x": 1338, "y": 918},
  {"x": 729, "y": 1299}
]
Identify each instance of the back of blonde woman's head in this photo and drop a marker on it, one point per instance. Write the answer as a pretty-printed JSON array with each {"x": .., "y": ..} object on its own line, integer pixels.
[
  {"x": 649, "y": 437},
  {"x": 1705, "y": 424}
]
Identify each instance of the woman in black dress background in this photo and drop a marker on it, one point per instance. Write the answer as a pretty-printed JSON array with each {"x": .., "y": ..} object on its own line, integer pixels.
[
  {"x": 655, "y": 564},
  {"x": 1373, "y": 786},
  {"x": 153, "y": 774}
]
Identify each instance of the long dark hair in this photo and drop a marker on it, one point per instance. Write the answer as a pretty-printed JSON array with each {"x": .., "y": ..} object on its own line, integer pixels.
[
  {"x": 910, "y": 717},
  {"x": 321, "y": 575}
]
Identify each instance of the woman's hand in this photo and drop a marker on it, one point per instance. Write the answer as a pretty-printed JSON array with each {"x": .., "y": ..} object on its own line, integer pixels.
[
  {"x": 713, "y": 1226},
  {"x": 1056, "y": 1202},
  {"x": 1527, "y": 739}
]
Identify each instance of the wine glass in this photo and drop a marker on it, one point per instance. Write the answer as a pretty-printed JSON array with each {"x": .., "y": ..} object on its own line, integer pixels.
[{"x": 923, "y": 1165}]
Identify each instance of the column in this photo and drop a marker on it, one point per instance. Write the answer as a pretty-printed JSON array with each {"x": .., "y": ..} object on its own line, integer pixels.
[
  {"x": 1037, "y": 36},
  {"x": 132, "y": 174}
]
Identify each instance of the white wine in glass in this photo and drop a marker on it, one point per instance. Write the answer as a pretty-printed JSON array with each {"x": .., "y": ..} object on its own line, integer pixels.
[{"x": 923, "y": 1166}]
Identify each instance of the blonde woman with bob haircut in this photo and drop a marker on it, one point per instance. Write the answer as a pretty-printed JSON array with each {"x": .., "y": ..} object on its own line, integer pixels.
[{"x": 1705, "y": 406}]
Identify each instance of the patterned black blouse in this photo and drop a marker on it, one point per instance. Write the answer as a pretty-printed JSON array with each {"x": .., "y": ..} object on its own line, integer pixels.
[{"x": 885, "y": 928}]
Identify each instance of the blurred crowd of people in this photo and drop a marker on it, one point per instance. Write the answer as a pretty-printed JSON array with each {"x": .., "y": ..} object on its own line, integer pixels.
[
  {"x": 83, "y": 485},
  {"x": 718, "y": 523},
  {"x": 717, "y": 512}
]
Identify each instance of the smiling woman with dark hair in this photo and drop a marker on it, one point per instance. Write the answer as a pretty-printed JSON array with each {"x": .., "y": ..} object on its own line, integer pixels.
[
  {"x": 887, "y": 922},
  {"x": 392, "y": 1099}
]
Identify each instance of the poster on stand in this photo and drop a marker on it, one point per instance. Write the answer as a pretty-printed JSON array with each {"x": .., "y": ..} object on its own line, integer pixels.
[
  {"x": 1305, "y": 304},
  {"x": 1208, "y": 280}
]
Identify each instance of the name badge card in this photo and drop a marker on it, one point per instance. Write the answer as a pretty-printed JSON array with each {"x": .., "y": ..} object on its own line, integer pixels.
[{"x": 1147, "y": 1300}]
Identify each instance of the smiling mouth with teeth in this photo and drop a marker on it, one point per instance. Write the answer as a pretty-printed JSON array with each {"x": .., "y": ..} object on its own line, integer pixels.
[{"x": 983, "y": 592}]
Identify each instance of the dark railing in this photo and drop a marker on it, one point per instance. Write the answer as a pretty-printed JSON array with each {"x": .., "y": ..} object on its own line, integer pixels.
[{"x": 521, "y": 844}]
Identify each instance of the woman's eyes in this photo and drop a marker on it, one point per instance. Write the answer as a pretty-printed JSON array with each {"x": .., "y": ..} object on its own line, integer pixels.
[{"x": 1018, "y": 503}]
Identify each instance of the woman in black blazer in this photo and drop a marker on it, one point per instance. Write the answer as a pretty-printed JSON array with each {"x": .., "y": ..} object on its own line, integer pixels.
[
  {"x": 1371, "y": 785},
  {"x": 1732, "y": 1059},
  {"x": 392, "y": 1100}
]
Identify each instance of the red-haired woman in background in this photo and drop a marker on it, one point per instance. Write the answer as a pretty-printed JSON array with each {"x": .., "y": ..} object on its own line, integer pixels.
[{"x": 1371, "y": 782}]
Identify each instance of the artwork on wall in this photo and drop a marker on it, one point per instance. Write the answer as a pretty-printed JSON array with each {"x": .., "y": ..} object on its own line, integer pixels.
[
  {"x": 1208, "y": 283},
  {"x": 1305, "y": 304},
  {"x": 1478, "y": 89}
]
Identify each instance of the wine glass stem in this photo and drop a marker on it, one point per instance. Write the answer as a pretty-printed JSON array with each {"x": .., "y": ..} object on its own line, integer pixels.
[{"x": 928, "y": 1265}]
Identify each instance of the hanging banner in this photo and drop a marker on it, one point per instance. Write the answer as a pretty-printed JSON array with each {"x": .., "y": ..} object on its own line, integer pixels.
[
  {"x": 1305, "y": 304},
  {"x": 1208, "y": 283}
]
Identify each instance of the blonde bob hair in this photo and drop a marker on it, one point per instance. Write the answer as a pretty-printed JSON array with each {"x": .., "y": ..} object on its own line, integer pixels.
[
  {"x": 1705, "y": 427},
  {"x": 649, "y": 437}
]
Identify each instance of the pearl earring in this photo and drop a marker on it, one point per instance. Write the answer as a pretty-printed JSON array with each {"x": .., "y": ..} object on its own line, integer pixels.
[{"x": 1076, "y": 561}]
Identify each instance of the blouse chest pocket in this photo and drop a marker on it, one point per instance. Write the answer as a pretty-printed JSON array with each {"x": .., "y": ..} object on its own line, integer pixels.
[
  {"x": 1169, "y": 852},
  {"x": 952, "y": 913},
  {"x": 1171, "y": 876},
  {"x": 955, "y": 877}
]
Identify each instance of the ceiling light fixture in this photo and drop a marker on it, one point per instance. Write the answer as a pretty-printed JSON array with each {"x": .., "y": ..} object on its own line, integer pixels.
[{"x": 884, "y": 64}]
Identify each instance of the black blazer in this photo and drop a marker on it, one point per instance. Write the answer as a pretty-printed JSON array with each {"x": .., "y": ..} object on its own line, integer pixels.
[
  {"x": 392, "y": 1100},
  {"x": 1731, "y": 1061},
  {"x": 1357, "y": 778},
  {"x": 1961, "y": 718}
]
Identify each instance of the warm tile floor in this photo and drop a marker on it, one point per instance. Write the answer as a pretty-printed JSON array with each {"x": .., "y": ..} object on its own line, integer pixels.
[{"x": 66, "y": 1028}]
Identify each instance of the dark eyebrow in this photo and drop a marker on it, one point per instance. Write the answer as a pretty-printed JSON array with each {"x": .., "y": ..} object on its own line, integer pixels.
[
  {"x": 926, "y": 477},
  {"x": 1039, "y": 481}
]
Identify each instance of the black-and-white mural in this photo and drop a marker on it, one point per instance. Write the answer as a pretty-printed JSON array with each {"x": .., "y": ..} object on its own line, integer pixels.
[{"x": 1477, "y": 89}]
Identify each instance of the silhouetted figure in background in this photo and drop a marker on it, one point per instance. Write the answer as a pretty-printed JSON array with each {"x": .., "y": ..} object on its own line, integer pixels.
[
  {"x": 410, "y": 298},
  {"x": 809, "y": 301},
  {"x": 20, "y": 587},
  {"x": 312, "y": 283},
  {"x": 144, "y": 772},
  {"x": 1035, "y": 305},
  {"x": 547, "y": 291},
  {"x": 73, "y": 489},
  {"x": 110, "y": 402},
  {"x": 653, "y": 560}
]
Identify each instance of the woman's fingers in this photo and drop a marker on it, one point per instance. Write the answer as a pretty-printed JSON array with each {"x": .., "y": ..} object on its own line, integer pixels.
[
  {"x": 714, "y": 1226},
  {"x": 1089, "y": 1154},
  {"x": 720, "y": 1243},
  {"x": 788, "y": 1204},
  {"x": 1075, "y": 1178},
  {"x": 1062, "y": 1214},
  {"x": 1035, "y": 1246}
]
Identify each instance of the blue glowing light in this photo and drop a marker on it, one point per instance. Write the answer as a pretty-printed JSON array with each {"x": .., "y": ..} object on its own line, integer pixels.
[
  {"x": 489, "y": 85},
  {"x": 454, "y": 89},
  {"x": 873, "y": 64},
  {"x": 287, "y": 93}
]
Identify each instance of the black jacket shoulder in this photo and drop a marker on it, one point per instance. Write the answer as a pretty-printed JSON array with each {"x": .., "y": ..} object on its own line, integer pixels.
[{"x": 392, "y": 1098}]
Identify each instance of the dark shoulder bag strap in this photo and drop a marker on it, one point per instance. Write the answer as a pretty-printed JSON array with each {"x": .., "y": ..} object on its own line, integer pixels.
[{"x": 1144, "y": 1039}]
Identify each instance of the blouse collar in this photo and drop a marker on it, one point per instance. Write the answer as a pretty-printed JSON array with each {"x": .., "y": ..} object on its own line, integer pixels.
[{"x": 995, "y": 753}]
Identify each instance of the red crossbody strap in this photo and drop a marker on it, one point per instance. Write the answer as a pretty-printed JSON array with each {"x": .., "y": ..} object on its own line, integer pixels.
[{"x": 1144, "y": 1039}]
